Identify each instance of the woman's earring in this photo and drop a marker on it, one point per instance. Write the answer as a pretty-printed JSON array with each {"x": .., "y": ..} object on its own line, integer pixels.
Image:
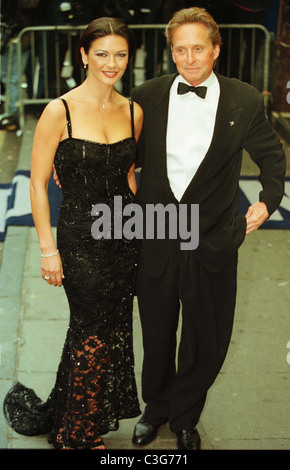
[{"x": 85, "y": 66}]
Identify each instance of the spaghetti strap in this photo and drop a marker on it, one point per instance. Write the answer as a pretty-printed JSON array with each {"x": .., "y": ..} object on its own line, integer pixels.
[
  {"x": 132, "y": 117},
  {"x": 68, "y": 119}
]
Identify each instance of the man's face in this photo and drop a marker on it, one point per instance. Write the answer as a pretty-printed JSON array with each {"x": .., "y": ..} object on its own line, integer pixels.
[{"x": 193, "y": 52}]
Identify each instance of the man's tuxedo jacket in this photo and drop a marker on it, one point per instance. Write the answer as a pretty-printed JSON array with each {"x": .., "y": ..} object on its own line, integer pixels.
[{"x": 240, "y": 124}]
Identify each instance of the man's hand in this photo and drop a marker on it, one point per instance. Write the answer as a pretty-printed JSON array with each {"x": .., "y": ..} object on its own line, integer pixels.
[
  {"x": 55, "y": 177},
  {"x": 256, "y": 216}
]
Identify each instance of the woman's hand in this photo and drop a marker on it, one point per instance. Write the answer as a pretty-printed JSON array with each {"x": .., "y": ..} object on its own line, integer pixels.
[
  {"x": 55, "y": 177},
  {"x": 51, "y": 270}
]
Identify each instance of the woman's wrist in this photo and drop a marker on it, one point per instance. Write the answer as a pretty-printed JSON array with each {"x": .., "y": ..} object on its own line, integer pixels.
[
  {"x": 47, "y": 249},
  {"x": 49, "y": 254}
]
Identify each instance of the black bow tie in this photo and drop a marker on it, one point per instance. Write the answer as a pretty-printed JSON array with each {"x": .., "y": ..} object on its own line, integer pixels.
[{"x": 184, "y": 88}]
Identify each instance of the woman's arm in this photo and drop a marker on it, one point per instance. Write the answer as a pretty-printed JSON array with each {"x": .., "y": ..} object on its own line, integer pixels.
[
  {"x": 48, "y": 133},
  {"x": 138, "y": 122},
  {"x": 131, "y": 177}
]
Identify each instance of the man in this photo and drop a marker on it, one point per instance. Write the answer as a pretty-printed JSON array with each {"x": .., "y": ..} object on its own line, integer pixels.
[{"x": 190, "y": 151}]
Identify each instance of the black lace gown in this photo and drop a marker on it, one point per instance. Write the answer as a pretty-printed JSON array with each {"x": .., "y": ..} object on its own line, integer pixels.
[{"x": 95, "y": 384}]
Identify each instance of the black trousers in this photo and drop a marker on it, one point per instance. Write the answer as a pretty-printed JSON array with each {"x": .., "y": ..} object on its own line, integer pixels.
[{"x": 175, "y": 383}]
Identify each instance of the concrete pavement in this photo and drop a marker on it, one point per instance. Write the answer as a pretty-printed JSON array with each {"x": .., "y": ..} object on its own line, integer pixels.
[{"x": 248, "y": 407}]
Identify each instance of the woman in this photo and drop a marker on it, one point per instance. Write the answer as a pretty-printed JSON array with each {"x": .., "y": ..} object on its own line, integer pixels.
[{"x": 90, "y": 135}]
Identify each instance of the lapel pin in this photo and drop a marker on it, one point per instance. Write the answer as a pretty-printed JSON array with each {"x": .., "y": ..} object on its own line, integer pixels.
[{"x": 232, "y": 123}]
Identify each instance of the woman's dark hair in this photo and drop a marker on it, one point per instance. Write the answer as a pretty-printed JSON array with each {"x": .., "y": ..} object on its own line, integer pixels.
[{"x": 104, "y": 27}]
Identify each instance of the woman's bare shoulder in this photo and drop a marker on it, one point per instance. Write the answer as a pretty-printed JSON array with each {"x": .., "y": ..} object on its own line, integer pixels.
[
  {"x": 138, "y": 111},
  {"x": 138, "y": 119},
  {"x": 54, "y": 109},
  {"x": 52, "y": 119}
]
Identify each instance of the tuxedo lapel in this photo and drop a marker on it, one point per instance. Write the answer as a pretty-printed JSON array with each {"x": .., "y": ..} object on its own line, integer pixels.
[
  {"x": 227, "y": 118},
  {"x": 159, "y": 103}
]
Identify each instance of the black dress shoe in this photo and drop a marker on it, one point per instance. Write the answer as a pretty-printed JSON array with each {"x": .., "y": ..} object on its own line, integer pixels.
[
  {"x": 144, "y": 432},
  {"x": 188, "y": 440}
]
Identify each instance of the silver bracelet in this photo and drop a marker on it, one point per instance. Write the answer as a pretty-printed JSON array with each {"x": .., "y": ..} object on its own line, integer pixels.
[{"x": 48, "y": 256}]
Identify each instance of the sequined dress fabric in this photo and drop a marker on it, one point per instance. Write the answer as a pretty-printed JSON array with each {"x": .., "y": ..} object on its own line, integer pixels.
[{"x": 95, "y": 385}]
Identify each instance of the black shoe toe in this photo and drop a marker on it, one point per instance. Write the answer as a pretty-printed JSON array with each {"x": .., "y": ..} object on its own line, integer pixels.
[
  {"x": 188, "y": 439},
  {"x": 144, "y": 432}
]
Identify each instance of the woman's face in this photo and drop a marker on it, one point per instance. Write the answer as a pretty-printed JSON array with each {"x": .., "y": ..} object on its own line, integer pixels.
[{"x": 107, "y": 58}]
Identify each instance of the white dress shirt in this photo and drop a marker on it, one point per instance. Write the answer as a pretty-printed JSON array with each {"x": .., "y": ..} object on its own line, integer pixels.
[{"x": 190, "y": 127}]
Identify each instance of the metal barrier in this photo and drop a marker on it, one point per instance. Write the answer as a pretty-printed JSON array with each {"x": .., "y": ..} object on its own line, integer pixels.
[{"x": 245, "y": 54}]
